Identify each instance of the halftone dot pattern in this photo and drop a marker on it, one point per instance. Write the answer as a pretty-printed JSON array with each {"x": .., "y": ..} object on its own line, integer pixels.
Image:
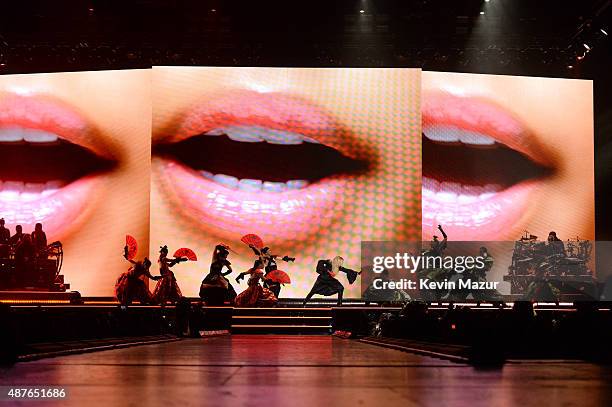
[
  {"x": 555, "y": 120},
  {"x": 376, "y": 116}
]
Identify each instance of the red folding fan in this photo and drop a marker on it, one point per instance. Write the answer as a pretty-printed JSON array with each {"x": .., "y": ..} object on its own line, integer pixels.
[
  {"x": 187, "y": 253},
  {"x": 252, "y": 239},
  {"x": 132, "y": 246}
]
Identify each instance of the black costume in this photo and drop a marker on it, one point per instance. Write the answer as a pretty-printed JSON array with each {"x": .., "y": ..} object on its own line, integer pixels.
[
  {"x": 5, "y": 234},
  {"x": 215, "y": 288},
  {"x": 437, "y": 246},
  {"x": 16, "y": 238},
  {"x": 39, "y": 239},
  {"x": 268, "y": 261},
  {"x": 326, "y": 284}
]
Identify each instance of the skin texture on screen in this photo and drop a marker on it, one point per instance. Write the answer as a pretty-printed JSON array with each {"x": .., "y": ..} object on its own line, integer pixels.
[
  {"x": 340, "y": 164},
  {"x": 83, "y": 170},
  {"x": 506, "y": 154}
]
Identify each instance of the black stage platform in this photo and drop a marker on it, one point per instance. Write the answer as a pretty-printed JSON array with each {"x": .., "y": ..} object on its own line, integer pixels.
[{"x": 61, "y": 323}]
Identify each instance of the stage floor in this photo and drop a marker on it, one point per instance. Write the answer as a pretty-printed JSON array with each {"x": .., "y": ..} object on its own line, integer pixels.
[{"x": 270, "y": 370}]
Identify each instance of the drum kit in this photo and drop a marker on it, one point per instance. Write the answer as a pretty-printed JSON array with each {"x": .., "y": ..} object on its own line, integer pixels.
[
  {"x": 41, "y": 271},
  {"x": 559, "y": 261}
]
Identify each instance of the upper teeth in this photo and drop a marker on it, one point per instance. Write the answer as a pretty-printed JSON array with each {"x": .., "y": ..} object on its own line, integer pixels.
[
  {"x": 16, "y": 134},
  {"x": 256, "y": 134},
  {"x": 254, "y": 185},
  {"x": 21, "y": 191},
  {"x": 451, "y": 134}
]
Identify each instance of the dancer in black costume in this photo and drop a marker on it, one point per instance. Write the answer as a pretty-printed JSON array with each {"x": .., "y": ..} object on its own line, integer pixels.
[
  {"x": 268, "y": 260},
  {"x": 215, "y": 288},
  {"x": 130, "y": 286},
  {"x": 326, "y": 283},
  {"x": 167, "y": 289}
]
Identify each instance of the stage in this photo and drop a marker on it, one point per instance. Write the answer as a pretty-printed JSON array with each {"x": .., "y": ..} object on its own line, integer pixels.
[{"x": 303, "y": 371}]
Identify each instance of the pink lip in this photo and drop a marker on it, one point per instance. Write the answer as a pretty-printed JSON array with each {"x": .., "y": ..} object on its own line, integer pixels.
[
  {"x": 269, "y": 110},
  {"x": 276, "y": 217},
  {"x": 61, "y": 211},
  {"x": 42, "y": 113},
  {"x": 229, "y": 213},
  {"x": 482, "y": 116},
  {"x": 497, "y": 216}
]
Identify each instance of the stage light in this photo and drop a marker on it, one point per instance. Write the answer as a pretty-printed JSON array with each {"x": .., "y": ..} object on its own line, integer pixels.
[
  {"x": 482, "y": 13},
  {"x": 586, "y": 46},
  {"x": 213, "y": 10},
  {"x": 570, "y": 66},
  {"x": 361, "y": 11},
  {"x": 603, "y": 31},
  {"x": 486, "y": 1}
]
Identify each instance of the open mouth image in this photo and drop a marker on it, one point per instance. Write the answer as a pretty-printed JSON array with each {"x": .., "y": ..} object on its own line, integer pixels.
[
  {"x": 480, "y": 166},
  {"x": 265, "y": 162},
  {"x": 49, "y": 163},
  {"x": 313, "y": 161}
]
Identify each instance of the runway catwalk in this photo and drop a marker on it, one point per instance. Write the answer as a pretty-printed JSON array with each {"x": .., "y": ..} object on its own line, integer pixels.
[{"x": 303, "y": 371}]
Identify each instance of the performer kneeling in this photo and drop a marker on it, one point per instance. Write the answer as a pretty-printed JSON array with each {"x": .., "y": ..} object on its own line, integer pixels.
[
  {"x": 255, "y": 295},
  {"x": 326, "y": 283},
  {"x": 167, "y": 289},
  {"x": 130, "y": 286},
  {"x": 215, "y": 288}
]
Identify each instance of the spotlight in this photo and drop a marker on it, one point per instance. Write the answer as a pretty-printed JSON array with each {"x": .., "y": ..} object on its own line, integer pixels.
[
  {"x": 603, "y": 31},
  {"x": 570, "y": 66},
  {"x": 361, "y": 11},
  {"x": 586, "y": 46},
  {"x": 482, "y": 13},
  {"x": 486, "y": 1}
]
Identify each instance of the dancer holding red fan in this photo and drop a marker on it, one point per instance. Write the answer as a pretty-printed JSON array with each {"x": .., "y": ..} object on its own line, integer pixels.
[
  {"x": 273, "y": 277},
  {"x": 167, "y": 289},
  {"x": 131, "y": 286},
  {"x": 216, "y": 288},
  {"x": 255, "y": 295}
]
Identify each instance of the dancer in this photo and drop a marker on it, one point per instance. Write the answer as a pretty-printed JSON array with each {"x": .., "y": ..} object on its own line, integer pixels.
[
  {"x": 215, "y": 288},
  {"x": 269, "y": 262},
  {"x": 167, "y": 289},
  {"x": 255, "y": 295},
  {"x": 130, "y": 286},
  {"x": 326, "y": 283},
  {"x": 474, "y": 274},
  {"x": 437, "y": 246}
]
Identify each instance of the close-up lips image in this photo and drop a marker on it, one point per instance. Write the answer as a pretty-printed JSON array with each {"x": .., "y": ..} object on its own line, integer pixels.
[
  {"x": 481, "y": 167},
  {"x": 263, "y": 162},
  {"x": 49, "y": 165}
]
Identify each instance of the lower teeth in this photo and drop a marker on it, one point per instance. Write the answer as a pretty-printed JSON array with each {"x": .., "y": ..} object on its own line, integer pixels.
[{"x": 254, "y": 185}]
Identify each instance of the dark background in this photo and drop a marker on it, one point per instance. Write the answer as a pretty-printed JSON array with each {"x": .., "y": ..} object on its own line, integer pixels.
[{"x": 515, "y": 37}]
